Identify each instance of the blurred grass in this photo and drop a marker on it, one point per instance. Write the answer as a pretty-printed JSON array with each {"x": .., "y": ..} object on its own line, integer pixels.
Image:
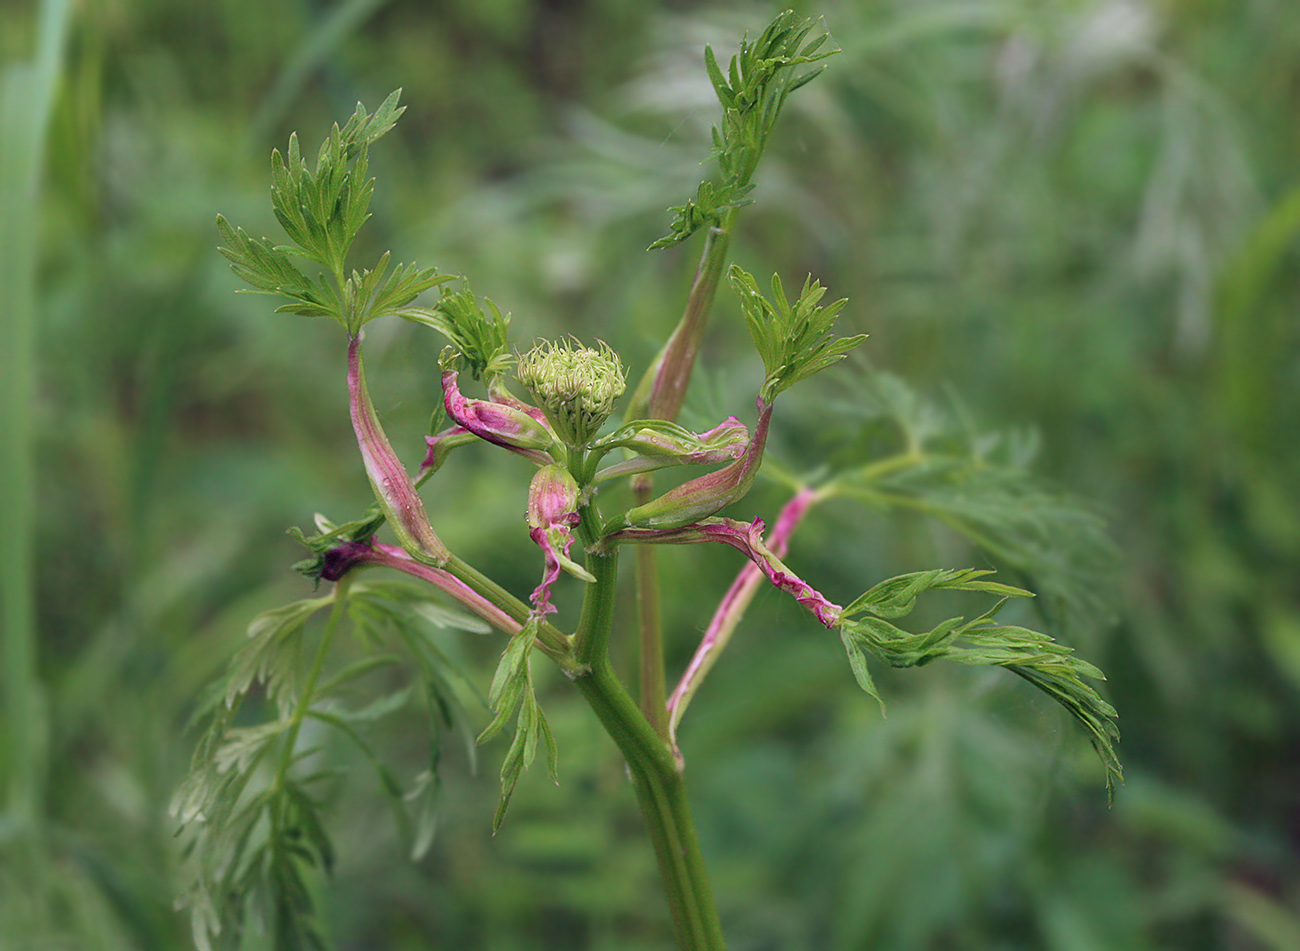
[
  {"x": 28, "y": 96},
  {"x": 1080, "y": 216},
  {"x": 27, "y": 93}
]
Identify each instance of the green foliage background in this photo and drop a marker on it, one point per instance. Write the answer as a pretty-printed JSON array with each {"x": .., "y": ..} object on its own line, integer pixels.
[{"x": 1079, "y": 215}]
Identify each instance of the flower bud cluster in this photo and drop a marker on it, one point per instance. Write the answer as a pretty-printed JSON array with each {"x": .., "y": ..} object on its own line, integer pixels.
[{"x": 575, "y": 386}]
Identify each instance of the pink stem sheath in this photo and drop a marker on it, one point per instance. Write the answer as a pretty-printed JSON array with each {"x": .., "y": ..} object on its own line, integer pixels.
[
  {"x": 699, "y": 498},
  {"x": 393, "y": 488},
  {"x": 351, "y": 554},
  {"x": 731, "y": 609}
]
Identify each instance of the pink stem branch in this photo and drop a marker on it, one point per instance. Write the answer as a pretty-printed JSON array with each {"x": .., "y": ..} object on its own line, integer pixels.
[
  {"x": 351, "y": 554},
  {"x": 731, "y": 609}
]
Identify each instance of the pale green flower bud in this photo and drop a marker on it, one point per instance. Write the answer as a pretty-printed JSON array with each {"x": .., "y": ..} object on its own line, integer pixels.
[{"x": 575, "y": 386}]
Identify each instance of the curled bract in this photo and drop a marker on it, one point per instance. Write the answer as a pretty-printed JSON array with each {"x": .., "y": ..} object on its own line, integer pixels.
[
  {"x": 699, "y": 498},
  {"x": 552, "y": 513},
  {"x": 393, "y": 488},
  {"x": 521, "y": 429},
  {"x": 658, "y": 444},
  {"x": 441, "y": 444}
]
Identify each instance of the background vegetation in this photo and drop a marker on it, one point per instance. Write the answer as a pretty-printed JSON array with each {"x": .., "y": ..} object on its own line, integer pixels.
[{"x": 1078, "y": 215}]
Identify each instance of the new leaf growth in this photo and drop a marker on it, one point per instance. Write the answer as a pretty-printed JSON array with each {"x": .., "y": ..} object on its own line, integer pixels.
[
  {"x": 752, "y": 92},
  {"x": 321, "y": 210},
  {"x": 794, "y": 341}
]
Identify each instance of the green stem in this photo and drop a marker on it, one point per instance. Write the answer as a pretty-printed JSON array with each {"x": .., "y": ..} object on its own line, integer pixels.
[
  {"x": 883, "y": 467},
  {"x": 280, "y": 857},
  {"x": 313, "y": 677},
  {"x": 660, "y": 395},
  {"x": 659, "y": 784},
  {"x": 661, "y": 391},
  {"x": 654, "y": 685},
  {"x": 553, "y": 642}
]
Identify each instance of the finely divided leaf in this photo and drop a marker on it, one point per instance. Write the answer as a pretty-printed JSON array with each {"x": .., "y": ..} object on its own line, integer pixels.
[
  {"x": 861, "y": 672},
  {"x": 407, "y": 283},
  {"x": 706, "y": 208},
  {"x": 531, "y": 727},
  {"x": 752, "y": 91},
  {"x": 253, "y": 835},
  {"x": 794, "y": 341},
  {"x": 480, "y": 340},
  {"x": 979, "y": 484},
  {"x": 511, "y": 691},
  {"x": 511, "y": 681},
  {"x": 720, "y": 85},
  {"x": 269, "y": 270},
  {"x": 321, "y": 210},
  {"x": 1035, "y": 656},
  {"x": 272, "y": 653},
  {"x": 896, "y": 597},
  {"x": 364, "y": 129},
  {"x": 426, "y": 795}
]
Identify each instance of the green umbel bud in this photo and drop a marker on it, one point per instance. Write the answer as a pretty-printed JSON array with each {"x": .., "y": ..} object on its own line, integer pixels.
[{"x": 575, "y": 386}]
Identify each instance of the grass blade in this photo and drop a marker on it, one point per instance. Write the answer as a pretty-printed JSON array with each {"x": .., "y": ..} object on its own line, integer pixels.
[{"x": 26, "y": 101}]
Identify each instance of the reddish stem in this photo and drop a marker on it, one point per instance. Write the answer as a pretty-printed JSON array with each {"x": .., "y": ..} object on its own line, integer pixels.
[
  {"x": 351, "y": 554},
  {"x": 732, "y": 608}
]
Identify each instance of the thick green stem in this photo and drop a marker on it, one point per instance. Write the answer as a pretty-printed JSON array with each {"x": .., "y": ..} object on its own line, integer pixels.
[
  {"x": 660, "y": 786},
  {"x": 654, "y": 686},
  {"x": 660, "y": 395}
]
